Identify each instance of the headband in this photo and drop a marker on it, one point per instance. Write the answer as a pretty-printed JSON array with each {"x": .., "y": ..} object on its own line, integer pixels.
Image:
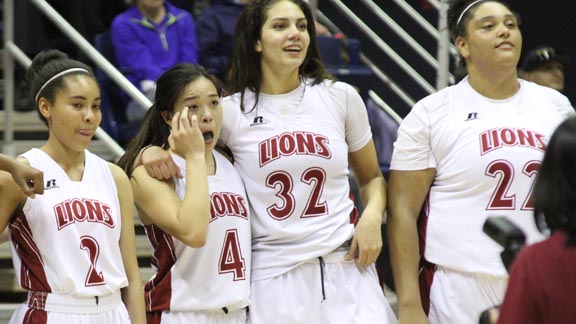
[
  {"x": 57, "y": 76},
  {"x": 464, "y": 12}
]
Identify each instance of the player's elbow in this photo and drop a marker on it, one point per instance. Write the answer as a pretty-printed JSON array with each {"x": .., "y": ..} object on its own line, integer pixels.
[{"x": 195, "y": 238}]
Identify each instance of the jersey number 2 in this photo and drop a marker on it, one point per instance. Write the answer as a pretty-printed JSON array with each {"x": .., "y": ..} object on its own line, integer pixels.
[
  {"x": 90, "y": 245},
  {"x": 501, "y": 199}
]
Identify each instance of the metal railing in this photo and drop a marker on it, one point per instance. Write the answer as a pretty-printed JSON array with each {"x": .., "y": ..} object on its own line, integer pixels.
[
  {"x": 12, "y": 52},
  {"x": 440, "y": 34}
]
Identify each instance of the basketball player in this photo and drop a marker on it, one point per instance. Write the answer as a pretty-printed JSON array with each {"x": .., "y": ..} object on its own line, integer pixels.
[
  {"x": 470, "y": 151},
  {"x": 198, "y": 225},
  {"x": 29, "y": 179},
  {"x": 294, "y": 133},
  {"x": 73, "y": 247}
]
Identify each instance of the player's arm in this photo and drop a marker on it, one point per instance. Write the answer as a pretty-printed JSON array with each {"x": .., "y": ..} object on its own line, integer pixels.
[
  {"x": 133, "y": 294},
  {"x": 407, "y": 193},
  {"x": 11, "y": 199},
  {"x": 157, "y": 162},
  {"x": 367, "y": 241},
  {"x": 30, "y": 180},
  {"x": 186, "y": 219}
]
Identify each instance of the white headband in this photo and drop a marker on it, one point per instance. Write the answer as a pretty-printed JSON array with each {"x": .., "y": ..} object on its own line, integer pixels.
[
  {"x": 57, "y": 76},
  {"x": 464, "y": 12}
]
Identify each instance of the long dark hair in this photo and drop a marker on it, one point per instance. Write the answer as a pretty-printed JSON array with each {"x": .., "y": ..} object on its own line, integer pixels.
[
  {"x": 555, "y": 188},
  {"x": 154, "y": 129},
  {"x": 47, "y": 64},
  {"x": 245, "y": 70}
]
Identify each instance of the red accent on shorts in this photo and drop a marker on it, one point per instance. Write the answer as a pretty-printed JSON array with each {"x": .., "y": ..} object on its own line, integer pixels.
[
  {"x": 35, "y": 316},
  {"x": 425, "y": 278},
  {"x": 153, "y": 317}
]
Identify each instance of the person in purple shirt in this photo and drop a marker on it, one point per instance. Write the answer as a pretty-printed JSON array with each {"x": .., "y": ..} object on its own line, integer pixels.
[{"x": 149, "y": 38}]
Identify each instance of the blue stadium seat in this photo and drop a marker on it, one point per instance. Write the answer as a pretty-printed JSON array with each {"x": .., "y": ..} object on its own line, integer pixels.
[{"x": 354, "y": 72}]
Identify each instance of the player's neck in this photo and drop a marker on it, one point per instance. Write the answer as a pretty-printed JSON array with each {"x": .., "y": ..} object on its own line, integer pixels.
[
  {"x": 279, "y": 83},
  {"x": 495, "y": 88},
  {"x": 71, "y": 161}
]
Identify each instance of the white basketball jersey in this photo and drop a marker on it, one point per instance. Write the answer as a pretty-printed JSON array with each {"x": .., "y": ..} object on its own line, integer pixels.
[
  {"x": 292, "y": 152},
  {"x": 486, "y": 154},
  {"x": 216, "y": 275},
  {"x": 66, "y": 241}
]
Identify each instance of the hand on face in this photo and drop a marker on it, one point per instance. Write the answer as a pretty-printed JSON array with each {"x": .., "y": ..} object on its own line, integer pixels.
[{"x": 186, "y": 138}]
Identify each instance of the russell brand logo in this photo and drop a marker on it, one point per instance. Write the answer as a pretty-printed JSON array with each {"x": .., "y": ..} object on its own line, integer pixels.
[{"x": 51, "y": 184}]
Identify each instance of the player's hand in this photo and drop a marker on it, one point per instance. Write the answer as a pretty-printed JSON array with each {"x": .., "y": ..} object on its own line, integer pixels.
[
  {"x": 159, "y": 164},
  {"x": 30, "y": 180},
  {"x": 367, "y": 239},
  {"x": 186, "y": 138}
]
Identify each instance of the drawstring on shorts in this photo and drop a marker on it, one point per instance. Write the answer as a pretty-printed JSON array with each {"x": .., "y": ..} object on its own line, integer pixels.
[{"x": 322, "y": 265}]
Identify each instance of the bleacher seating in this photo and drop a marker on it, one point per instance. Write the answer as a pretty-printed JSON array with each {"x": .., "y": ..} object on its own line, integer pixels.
[
  {"x": 114, "y": 119},
  {"x": 352, "y": 71}
]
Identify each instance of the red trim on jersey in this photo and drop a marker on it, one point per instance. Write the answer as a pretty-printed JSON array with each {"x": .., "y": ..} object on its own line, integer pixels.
[
  {"x": 423, "y": 224},
  {"x": 425, "y": 279},
  {"x": 427, "y": 269},
  {"x": 32, "y": 275},
  {"x": 158, "y": 291},
  {"x": 354, "y": 215}
]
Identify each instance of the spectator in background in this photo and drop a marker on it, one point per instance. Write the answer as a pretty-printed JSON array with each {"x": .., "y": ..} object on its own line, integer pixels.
[
  {"x": 215, "y": 32},
  {"x": 542, "y": 285},
  {"x": 544, "y": 65},
  {"x": 149, "y": 38}
]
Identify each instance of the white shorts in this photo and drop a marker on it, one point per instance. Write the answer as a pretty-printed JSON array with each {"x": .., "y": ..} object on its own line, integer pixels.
[
  {"x": 345, "y": 293},
  {"x": 198, "y": 317},
  {"x": 48, "y": 308},
  {"x": 460, "y": 297}
]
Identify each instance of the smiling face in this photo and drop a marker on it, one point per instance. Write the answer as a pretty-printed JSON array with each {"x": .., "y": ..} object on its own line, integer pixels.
[
  {"x": 75, "y": 114},
  {"x": 201, "y": 96},
  {"x": 492, "y": 37},
  {"x": 284, "y": 38}
]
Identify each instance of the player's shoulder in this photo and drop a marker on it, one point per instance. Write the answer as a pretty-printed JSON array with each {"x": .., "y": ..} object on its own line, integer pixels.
[
  {"x": 333, "y": 87},
  {"x": 547, "y": 96},
  {"x": 117, "y": 172}
]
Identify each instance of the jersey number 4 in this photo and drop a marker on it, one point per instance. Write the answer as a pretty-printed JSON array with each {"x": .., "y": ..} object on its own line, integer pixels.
[
  {"x": 231, "y": 259},
  {"x": 501, "y": 198}
]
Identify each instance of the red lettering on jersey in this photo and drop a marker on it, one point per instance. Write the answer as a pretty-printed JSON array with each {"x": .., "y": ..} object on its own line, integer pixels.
[
  {"x": 63, "y": 218},
  {"x": 299, "y": 143},
  {"x": 493, "y": 139},
  {"x": 77, "y": 210},
  {"x": 227, "y": 204},
  {"x": 287, "y": 144}
]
